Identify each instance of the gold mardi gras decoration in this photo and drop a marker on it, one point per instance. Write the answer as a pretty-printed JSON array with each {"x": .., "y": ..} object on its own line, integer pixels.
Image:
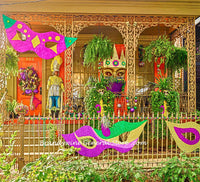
[{"x": 116, "y": 66}]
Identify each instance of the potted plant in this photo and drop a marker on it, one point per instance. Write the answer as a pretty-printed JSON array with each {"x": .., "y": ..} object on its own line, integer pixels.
[
  {"x": 97, "y": 92},
  {"x": 10, "y": 107},
  {"x": 178, "y": 59},
  {"x": 166, "y": 93},
  {"x": 21, "y": 109},
  {"x": 163, "y": 50},
  {"x": 98, "y": 48}
]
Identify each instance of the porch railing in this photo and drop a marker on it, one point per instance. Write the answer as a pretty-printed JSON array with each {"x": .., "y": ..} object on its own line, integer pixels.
[{"x": 43, "y": 135}]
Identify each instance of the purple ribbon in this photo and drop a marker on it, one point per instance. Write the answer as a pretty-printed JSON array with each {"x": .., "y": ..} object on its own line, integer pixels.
[{"x": 98, "y": 105}]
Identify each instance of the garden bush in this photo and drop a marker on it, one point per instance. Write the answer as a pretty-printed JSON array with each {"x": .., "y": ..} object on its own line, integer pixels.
[
  {"x": 179, "y": 169},
  {"x": 62, "y": 168},
  {"x": 7, "y": 161},
  {"x": 124, "y": 171},
  {"x": 69, "y": 167}
]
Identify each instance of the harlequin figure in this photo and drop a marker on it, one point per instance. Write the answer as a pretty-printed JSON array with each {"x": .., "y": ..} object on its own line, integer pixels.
[
  {"x": 55, "y": 88},
  {"x": 116, "y": 68}
]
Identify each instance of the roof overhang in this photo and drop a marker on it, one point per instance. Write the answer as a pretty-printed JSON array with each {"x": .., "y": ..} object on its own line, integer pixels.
[{"x": 144, "y": 7}]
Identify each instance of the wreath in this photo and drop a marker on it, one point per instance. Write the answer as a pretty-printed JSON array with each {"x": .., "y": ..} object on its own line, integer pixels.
[{"x": 29, "y": 81}]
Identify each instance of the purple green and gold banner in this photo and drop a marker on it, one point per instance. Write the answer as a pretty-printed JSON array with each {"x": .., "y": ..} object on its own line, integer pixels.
[{"x": 93, "y": 142}]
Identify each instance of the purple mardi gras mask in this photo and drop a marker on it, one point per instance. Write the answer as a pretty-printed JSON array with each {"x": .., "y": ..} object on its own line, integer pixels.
[
  {"x": 180, "y": 131},
  {"x": 105, "y": 138},
  {"x": 34, "y": 41}
]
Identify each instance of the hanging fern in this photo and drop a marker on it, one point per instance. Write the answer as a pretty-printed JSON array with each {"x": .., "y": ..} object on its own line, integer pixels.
[
  {"x": 173, "y": 57},
  {"x": 161, "y": 47},
  {"x": 11, "y": 62},
  {"x": 97, "y": 49},
  {"x": 178, "y": 59}
]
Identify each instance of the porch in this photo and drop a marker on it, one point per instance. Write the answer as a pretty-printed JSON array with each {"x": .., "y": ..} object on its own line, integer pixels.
[{"x": 155, "y": 143}]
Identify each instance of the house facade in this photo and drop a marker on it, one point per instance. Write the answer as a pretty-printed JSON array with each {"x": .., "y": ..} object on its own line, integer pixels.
[{"x": 131, "y": 30}]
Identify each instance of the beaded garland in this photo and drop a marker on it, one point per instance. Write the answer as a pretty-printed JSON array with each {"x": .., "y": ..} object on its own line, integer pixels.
[{"x": 129, "y": 108}]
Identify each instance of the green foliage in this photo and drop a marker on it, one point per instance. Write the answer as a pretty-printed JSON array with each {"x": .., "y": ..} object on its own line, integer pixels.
[
  {"x": 52, "y": 128},
  {"x": 10, "y": 106},
  {"x": 93, "y": 97},
  {"x": 121, "y": 171},
  {"x": 178, "y": 169},
  {"x": 68, "y": 167},
  {"x": 11, "y": 62},
  {"x": 165, "y": 93},
  {"x": 160, "y": 48},
  {"x": 173, "y": 100},
  {"x": 60, "y": 168},
  {"x": 173, "y": 57},
  {"x": 164, "y": 84},
  {"x": 6, "y": 162},
  {"x": 97, "y": 49},
  {"x": 159, "y": 130},
  {"x": 178, "y": 59},
  {"x": 157, "y": 100}
]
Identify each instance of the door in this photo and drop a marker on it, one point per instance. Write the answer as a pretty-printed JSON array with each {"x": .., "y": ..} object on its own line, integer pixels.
[{"x": 36, "y": 63}]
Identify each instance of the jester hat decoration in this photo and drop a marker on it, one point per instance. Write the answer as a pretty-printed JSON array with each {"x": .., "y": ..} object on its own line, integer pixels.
[
  {"x": 34, "y": 41},
  {"x": 56, "y": 63}
]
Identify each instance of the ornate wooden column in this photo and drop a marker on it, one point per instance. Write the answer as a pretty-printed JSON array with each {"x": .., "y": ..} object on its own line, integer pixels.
[
  {"x": 130, "y": 51},
  {"x": 191, "y": 48}
]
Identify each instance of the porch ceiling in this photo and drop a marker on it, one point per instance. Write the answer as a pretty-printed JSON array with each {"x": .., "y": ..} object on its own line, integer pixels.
[{"x": 167, "y": 7}]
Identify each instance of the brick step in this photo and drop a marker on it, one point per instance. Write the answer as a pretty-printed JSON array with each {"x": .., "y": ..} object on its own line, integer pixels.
[
  {"x": 29, "y": 133},
  {"x": 29, "y": 157},
  {"x": 31, "y": 140},
  {"x": 41, "y": 127},
  {"x": 37, "y": 148},
  {"x": 32, "y": 126}
]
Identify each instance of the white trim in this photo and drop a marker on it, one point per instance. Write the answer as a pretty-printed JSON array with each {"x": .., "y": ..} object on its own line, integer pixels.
[{"x": 197, "y": 21}]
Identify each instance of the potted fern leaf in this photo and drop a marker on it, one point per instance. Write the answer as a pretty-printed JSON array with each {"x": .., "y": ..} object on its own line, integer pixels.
[{"x": 98, "y": 48}]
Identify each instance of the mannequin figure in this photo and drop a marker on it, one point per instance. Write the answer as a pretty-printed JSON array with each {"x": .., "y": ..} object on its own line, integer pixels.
[{"x": 55, "y": 88}]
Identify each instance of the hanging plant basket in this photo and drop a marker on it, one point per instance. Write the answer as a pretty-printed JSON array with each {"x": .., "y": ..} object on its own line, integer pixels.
[
  {"x": 163, "y": 49},
  {"x": 98, "y": 48},
  {"x": 178, "y": 59}
]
